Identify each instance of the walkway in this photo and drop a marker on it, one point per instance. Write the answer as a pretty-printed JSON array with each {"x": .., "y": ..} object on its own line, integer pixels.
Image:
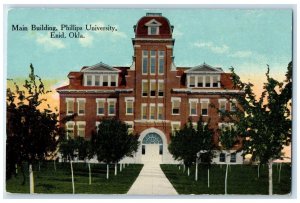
[{"x": 152, "y": 181}]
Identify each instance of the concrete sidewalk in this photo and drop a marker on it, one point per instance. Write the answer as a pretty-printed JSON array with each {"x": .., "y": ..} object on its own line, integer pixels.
[{"x": 152, "y": 181}]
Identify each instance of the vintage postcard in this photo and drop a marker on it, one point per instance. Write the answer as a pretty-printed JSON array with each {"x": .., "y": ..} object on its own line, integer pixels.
[{"x": 169, "y": 101}]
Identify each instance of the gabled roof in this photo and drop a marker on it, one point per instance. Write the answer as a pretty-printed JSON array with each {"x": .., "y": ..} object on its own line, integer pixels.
[
  {"x": 99, "y": 67},
  {"x": 205, "y": 68},
  {"x": 153, "y": 22}
]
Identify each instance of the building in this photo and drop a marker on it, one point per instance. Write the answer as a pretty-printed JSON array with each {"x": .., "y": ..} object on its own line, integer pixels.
[{"x": 153, "y": 96}]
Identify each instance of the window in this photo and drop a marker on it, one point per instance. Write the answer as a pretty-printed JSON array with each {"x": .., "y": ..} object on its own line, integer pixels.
[
  {"x": 200, "y": 81},
  {"x": 97, "y": 80},
  {"x": 144, "y": 88},
  {"x": 152, "y": 88},
  {"x": 204, "y": 107},
  {"x": 222, "y": 157},
  {"x": 175, "y": 105},
  {"x": 160, "y": 112},
  {"x": 113, "y": 80},
  {"x": 152, "y": 111},
  {"x": 70, "y": 129},
  {"x": 81, "y": 106},
  {"x": 144, "y": 111},
  {"x": 80, "y": 128},
  {"x": 175, "y": 126},
  {"x": 143, "y": 150},
  {"x": 100, "y": 106},
  {"x": 70, "y": 105},
  {"x": 105, "y": 80},
  {"x": 111, "y": 107},
  {"x": 130, "y": 126},
  {"x": 226, "y": 126},
  {"x": 160, "y": 149},
  {"x": 161, "y": 62},
  {"x": 152, "y": 62},
  {"x": 193, "y": 107},
  {"x": 207, "y": 81},
  {"x": 129, "y": 105},
  {"x": 215, "y": 81},
  {"x": 97, "y": 126},
  {"x": 233, "y": 157},
  {"x": 160, "y": 88},
  {"x": 89, "y": 80},
  {"x": 222, "y": 105},
  {"x": 153, "y": 30},
  {"x": 233, "y": 105},
  {"x": 192, "y": 81},
  {"x": 145, "y": 62}
]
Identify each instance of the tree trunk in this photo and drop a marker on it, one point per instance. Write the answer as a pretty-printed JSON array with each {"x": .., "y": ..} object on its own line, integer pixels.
[
  {"x": 124, "y": 165},
  {"x": 120, "y": 167},
  {"x": 16, "y": 166},
  {"x": 226, "y": 179},
  {"x": 23, "y": 174},
  {"x": 196, "y": 171},
  {"x": 258, "y": 165},
  {"x": 90, "y": 174},
  {"x": 270, "y": 164},
  {"x": 54, "y": 162},
  {"x": 279, "y": 173},
  {"x": 39, "y": 166},
  {"x": 188, "y": 171},
  {"x": 31, "y": 180},
  {"x": 208, "y": 177},
  {"x": 72, "y": 175},
  {"x": 107, "y": 171},
  {"x": 116, "y": 168},
  {"x": 183, "y": 168},
  {"x": 179, "y": 167}
]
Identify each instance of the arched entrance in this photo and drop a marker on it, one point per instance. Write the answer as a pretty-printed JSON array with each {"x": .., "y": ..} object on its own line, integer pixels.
[{"x": 152, "y": 148}]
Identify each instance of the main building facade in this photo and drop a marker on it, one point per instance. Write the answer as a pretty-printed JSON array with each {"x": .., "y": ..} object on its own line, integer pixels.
[{"x": 153, "y": 96}]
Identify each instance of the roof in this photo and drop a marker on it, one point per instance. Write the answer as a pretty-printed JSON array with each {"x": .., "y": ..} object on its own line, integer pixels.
[
  {"x": 99, "y": 67},
  {"x": 155, "y": 19},
  {"x": 205, "y": 68}
]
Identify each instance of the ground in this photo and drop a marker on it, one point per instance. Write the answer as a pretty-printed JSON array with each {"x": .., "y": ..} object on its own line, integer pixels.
[
  {"x": 242, "y": 179},
  {"x": 49, "y": 181}
]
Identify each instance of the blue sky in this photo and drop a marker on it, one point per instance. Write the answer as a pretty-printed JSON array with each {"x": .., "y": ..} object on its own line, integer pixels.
[{"x": 244, "y": 39}]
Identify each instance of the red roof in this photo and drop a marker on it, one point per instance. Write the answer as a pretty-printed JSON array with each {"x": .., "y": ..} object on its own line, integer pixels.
[{"x": 165, "y": 29}]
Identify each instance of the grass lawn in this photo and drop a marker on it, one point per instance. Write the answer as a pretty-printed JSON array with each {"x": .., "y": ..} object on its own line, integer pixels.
[
  {"x": 49, "y": 181},
  {"x": 242, "y": 179}
]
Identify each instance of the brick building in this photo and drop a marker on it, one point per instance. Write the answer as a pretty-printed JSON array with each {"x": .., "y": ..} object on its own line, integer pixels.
[{"x": 153, "y": 96}]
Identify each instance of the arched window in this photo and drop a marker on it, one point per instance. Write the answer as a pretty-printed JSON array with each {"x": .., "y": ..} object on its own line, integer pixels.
[{"x": 152, "y": 138}]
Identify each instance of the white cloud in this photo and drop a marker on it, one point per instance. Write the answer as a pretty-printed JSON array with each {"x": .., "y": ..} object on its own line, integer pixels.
[
  {"x": 219, "y": 49},
  {"x": 49, "y": 43},
  {"x": 87, "y": 41},
  {"x": 241, "y": 54}
]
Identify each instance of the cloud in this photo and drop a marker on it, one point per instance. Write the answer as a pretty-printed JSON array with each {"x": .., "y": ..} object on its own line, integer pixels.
[
  {"x": 87, "y": 41},
  {"x": 218, "y": 49},
  {"x": 49, "y": 43},
  {"x": 241, "y": 54}
]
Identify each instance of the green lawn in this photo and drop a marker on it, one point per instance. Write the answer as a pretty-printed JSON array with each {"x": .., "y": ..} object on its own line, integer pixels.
[
  {"x": 242, "y": 179},
  {"x": 49, "y": 181}
]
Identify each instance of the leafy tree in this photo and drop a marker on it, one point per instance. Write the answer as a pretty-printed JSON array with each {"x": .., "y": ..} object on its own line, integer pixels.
[
  {"x": 206, "y": 146},
  {"x": 33, "y": 133},
  {"x": 180, "y": 146},
  {"x": 112, "y": 142},
  {"x": 264, "y": 123}
]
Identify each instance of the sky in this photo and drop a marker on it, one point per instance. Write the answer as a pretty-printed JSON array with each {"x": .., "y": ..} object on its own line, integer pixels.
[{"x": 241, "y": 38}]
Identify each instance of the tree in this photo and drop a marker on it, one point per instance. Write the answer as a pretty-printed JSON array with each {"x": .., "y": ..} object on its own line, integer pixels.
[
  {"x": 112, "y": 142},
  {"x": 206, "y": 146},
  {"x": 264, "y": 123},
  {"x": 33, "y": 133},
  {"x": 69, "y": 151},
  {"x": 180, "y": 146}
]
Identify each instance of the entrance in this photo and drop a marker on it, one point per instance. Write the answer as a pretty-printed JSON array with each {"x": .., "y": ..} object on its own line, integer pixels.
[{"x": 152, "y": 148}]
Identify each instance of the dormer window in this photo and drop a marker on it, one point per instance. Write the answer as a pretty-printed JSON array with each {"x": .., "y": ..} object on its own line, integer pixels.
[
  {"x": 153, "y": 27},
  {"x": 153, "y": 30}
]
